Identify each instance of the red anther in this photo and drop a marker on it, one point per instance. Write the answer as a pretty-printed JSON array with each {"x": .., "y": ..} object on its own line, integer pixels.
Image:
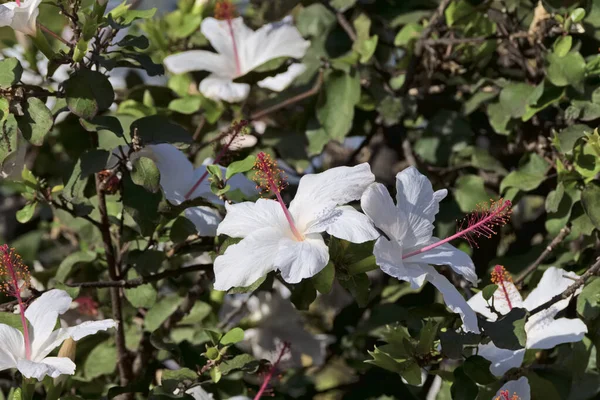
[
  {"x": 485, "y": 220},
  {"x": 505, "y": 395},
  {"x": 500, "y": 276},
  {"x": 268, "y": 177},
  {"x": 224, "y": 10}
]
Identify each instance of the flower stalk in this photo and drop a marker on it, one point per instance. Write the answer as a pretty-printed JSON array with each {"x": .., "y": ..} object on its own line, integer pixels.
[{"x": 272, "y": 370}]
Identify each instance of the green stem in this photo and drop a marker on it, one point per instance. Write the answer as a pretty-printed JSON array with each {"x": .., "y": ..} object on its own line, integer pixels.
[
  {"x": 40, "y": 41},
  {"x": 364, "y": 265},
  {"x": 28, "y": 389}
]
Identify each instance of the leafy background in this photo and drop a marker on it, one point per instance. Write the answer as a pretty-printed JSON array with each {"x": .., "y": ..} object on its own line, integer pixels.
[{"x": 488, "y": 98}]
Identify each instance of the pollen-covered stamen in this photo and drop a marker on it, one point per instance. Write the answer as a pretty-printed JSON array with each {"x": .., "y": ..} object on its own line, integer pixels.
[
  {"x": 224, "y": 10},
  {"x": 505, "y": 395},
  {"x": 15, "y": 276},
  {"x": 482, "y": 222},
  {"x": 499, "y": 277},
  {"x": 269, "y": 178},
  {"x": 237, "y": 128},
  {"x": 264, "y": 387}
]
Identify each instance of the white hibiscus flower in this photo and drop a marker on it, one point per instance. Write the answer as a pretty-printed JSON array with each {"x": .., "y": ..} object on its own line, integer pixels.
[{"x": 21, "y": 15}]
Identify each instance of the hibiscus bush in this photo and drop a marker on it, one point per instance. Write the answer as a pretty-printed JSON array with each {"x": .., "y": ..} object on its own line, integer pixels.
[{"x": 300, "y": 199}]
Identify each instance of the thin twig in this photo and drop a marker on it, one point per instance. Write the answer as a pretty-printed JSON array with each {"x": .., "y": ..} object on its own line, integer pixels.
[
  {"x": 564, "y": 232},
  {"x": 311, "y": 92},
  {"x": 593, "y": 270},
  {"x": 475, "y": 40},
  {"x": 141, "y": 280},
  {"x": 54, "y": 35}
]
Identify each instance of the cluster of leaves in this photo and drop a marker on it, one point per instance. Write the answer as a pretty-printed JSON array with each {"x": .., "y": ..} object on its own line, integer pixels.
[{"x": 490, "y": 99}]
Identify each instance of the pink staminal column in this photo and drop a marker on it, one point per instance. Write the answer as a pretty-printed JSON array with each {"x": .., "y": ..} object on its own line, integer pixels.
[
  {"x": 14, "y": 271},
  {"x": 269, "y": 178},
  {"x": 224, "y": 10},
  {"x": 263, "y": 388}
]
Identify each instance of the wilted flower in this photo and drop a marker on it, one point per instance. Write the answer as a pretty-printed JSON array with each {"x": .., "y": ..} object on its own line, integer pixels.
[
  {"x": 543, "y": 330},
  {"x": 290, "y": 240}
]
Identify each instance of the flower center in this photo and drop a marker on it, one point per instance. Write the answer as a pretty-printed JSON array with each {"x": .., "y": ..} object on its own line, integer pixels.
[
  {"x": 237, "y": 128},
  {"x": 481, "y": 222},
  {"x": 12, "y": 270},
  {"x": 224, "y": 10},
  {"x": 269, "y": 178},
  {"x": 505, "y": 395},
  {"x": 499, "y": 277}
]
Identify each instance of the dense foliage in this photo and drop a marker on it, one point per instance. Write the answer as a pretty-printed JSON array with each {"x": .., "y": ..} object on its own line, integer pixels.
[{"x": 190, "y": 207}]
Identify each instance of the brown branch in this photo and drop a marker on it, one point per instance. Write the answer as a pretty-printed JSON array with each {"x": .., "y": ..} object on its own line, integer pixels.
[
  {"x": 564, "y": 232},
  {"x": 141, "y": 280},
  {"x": 311, "y": 92},
  {"x": 570, "y": 291},
  {"x": 474, "y": 40}
]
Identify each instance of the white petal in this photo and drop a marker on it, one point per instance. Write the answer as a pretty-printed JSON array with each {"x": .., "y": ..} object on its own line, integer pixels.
[
  {"x": 42, "y": 315},
  {"x": 216, "y": 87},
  {"x": 272, "y": 41},
  {"x": 318, "y": 194},
  {"x": 479, "y": 305},
  {"x": 12, "y": 348},
  {"x": 346, "y": 223},
  {"x": 280, "y": 82},
  {"x": 7, "y": 14},
  {"x": 388, "y": 255},
  {"x": 501, "y": 359},
  {"x": 25, "y": 17},
  {"x": 546, "y": 333},
  {"x": 447, "y": 254},
  {"x": 416, "y": 198},
  {"x": 205, "y": 219},
  {"x": 377, "y": 203},
  {"x": 499, "y": 300},
  {"x": 218, "y": 33},
  {"x": 553, "y": 282},
  {"x": 298, "y": 260},
  {"x": 245, "y": 218},
  {"x": 199, "y": 394},
  {"x": 453, "y": 299},
  {"x": 519, "y": 387},
  {"x": 199, "y": 60},
  {"x": 50, "y": 366},
  {"x": 247, "y": 261}
]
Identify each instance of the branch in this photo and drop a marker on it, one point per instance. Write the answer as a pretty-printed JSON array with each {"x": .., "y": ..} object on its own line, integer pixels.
[
  {"x": 570, "y": 291},
  {"x": 564, "y": 232},
  {"x": 474, "y": 40},
  {"x": 311, "y": 92},
  {"x": 141, "y": 280}
]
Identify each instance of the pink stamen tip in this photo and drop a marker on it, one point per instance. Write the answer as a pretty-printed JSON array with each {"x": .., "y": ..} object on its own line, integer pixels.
[
  {"x": 263, "y": 388},
  {"x": 269, "y": 178},
  {"x": 12, "y": 270},
  {"x": 482, "y": 222},
  {"x": 237, "y": 128}
]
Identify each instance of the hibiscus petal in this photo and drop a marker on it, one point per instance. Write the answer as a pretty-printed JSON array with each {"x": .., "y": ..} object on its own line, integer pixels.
[
  {"x": 553, "y": 282},
  {"x": 12, "y": 348},
  {"x": 388, "y": 255},
  {"x": 247, "y": 261},
  {"x": 318, "y": 194},
  {"x": 298, "y": 260},
  {"x": 479, "y": 305},
  {"x": 199, "y": 60},
  {"x": 25, "y": 17},
  {"x": 199, "y": 394},
  {"x": 377, "y": 203},
  {"x": 43, "y": 313},
  {"x": 447, "y": 254},
  {"x": 50, "y": 366},
  {"x": 246, "y": 218},
  {"x": 416, "y": 198},
  {"x": 453, "y": 299},
  {"x": 205, "y": 219},
  {"x": 217, "y": 87},
  {"x": 6, "y": 14},
  {"x": 520, "y": 387},
  {"x": 218, "y": 33},
  {"x": 547, "y": 332},
  {"x": 346, "y": 223},
  {"x": 501, "y": 360},
  {"x": 281, "y": 81}
]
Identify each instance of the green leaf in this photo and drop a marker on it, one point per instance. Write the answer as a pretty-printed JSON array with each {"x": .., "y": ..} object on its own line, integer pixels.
[
  {"x": 554, "y": 198},
  {"x": 160, "y": 312},
  {"x": 427, "y": 338},
  {"x": 26, "y": 213},
  {"x": 567, "y": 138},
  {"x": 323, "y": 281},
  {"x": 566, "y": 70},
  {"x": 103, "y": 123},
  {"x": 514, "y": 98},
  {"x": 183, "y": 374},
  {"x": 343, "y": 5},
  {"x": 143, "y": 296},
  {"x": 187, "y": 105},
  {"x": 238, "y": 167},
  {"x": 181, "y": 229},
  {"x": 488, "y": 291},
  {"x": 463, "y": 387},
  {"x": 234, "y": 336},
  {"x": 243, "y": 362},
  {"x": 141, "y": 205},
  {"x": 145, "y": 173},
  {"x": 588, "y": 302},
  {"x": 303, "y": 294},
  {"x": 408, "y": 34},
  {"x": 391, "y": 109},
  {"x": 470, "y": 191},
  {"x": 36, "y": 121},
  {"x": 102, "y": 360},
  {"x": 66, "y": 266},
  {"x": 562, "y": 45},
  {"x": 12, "y": 320},
  {"x": 499, "y": 118},
  {"x": 315, "y": 21},
  {"x": 590, "y": 199},
  {"x": 478, "y": 369},
  {"x": 157, "y": 129},
  {"x": 508, "y": 332},
  {"x": 359, "y": 286},
  {"x": 88, "y": 93},
  {"x": 10, "y": 72},
  {"x": 529, "y": 175},
  {"x": 336, "y": 109},
  {"x": 89, "y": 163},
  {"x": 364, "y": 44},
  {"x": 578, "y": 15},
  {"x": 215, "y": 374}
]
